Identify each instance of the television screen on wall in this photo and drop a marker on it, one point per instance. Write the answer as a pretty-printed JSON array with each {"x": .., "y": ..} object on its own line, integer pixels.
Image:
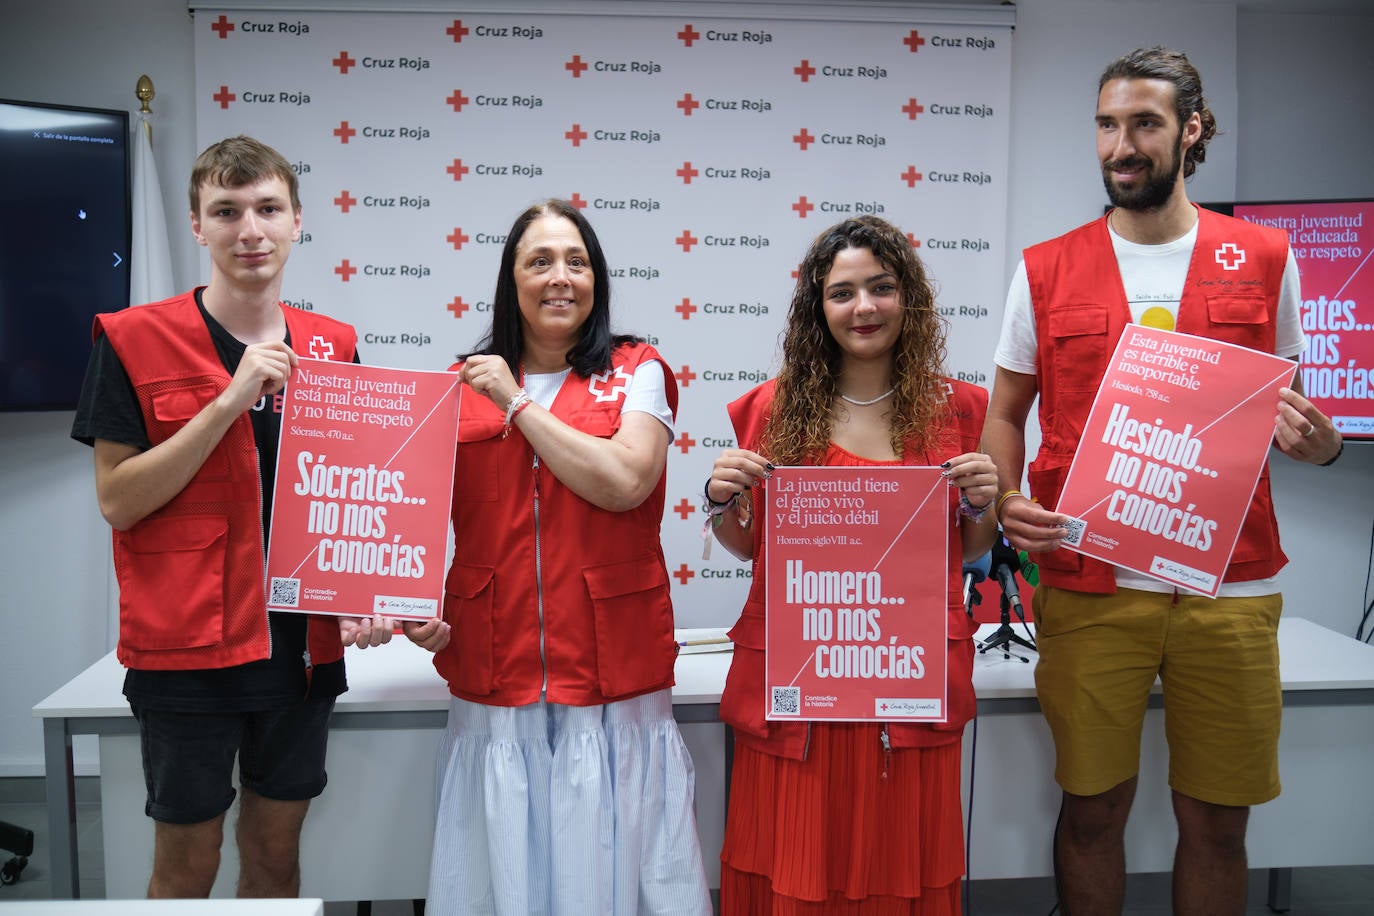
[
  {"x": 1332, "y": 241},
  {"x": 64, "y": 203}
]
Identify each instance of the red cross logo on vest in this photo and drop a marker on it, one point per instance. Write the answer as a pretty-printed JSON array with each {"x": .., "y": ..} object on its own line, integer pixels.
[
  {"x": 321, "y": 348},
  {"x": 595, "y": 384},
  {"x": 1230, "y": 257}
]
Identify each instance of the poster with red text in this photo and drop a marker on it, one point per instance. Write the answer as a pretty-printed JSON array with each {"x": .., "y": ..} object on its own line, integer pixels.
[
  {"x": 856, "y": 593},
  {"x": 364, "y": 481},
  {"x": 1171, "y": 454}
]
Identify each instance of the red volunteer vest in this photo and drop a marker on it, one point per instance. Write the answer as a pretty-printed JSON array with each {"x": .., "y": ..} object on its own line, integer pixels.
[
  {"x": 191, "y": 589},
  {"x": 743, "y": 701},
  {"x": 1231, "y": 293},
  {"x": 545, "y": 586}
]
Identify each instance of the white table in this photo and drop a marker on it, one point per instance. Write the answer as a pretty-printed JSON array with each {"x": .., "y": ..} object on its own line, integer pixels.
[
  {"x": 378, "y": 809},
  {"x": 257, "y": 907}
]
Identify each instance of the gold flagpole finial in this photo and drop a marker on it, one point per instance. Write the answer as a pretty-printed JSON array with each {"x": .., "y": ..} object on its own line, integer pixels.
[{"x": 145, "y": 93}]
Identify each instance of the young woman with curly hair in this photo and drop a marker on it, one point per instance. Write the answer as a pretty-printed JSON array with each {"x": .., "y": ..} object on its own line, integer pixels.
[{"x": 822, "y": 817}]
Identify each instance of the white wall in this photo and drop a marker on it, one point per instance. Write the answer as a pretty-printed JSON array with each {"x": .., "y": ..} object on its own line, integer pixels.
[{"x": 1293, "y": 93}]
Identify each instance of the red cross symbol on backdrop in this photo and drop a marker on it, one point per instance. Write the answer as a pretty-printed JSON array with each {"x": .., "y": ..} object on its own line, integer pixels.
[
  {"x": 345, "y": 270},
  {"x": 683, "y": 508},
  {"x": 912, "y": 109},
  {"x": 685, "y": 308},
  {"x": 911, "y": 176},
  {"x": 683, "y": 574},
  {"x": 456, "y": 238},
  {"x": 684, "y": 376},
  {"x": 458, "y": 306},
  {"x": 688, "y": 105},
  {"x": 686, "y": 240},
  {"x": 457, "y": 170},
  {"x": 1230, "y": 257},
  {"x": 344, "y": 62},
  {"x": 684, "y": 441},
  {"x": 575, "y": 66},
  {"x": 345, "y": 201},
  {"x": 576, "y": 135},
  {"x": 687, "y": 35},
  {"x": 457, "y": 30},
  {"x": 804, "y": 70},
  {"x": 914, "y": 41},
  {"x": 457, "y": 100},
  {"x": 222, "y": 26},
  {"x": 687, "y": 173},
  {"x": 224, "y": 97},
  {"x": 344, "y": 132},
  {"x": 577, "y": 201},
  {"x": 915, "y": 242},
  {"x": 803, "y": 207},
  {"x": 804, "y": 139}
]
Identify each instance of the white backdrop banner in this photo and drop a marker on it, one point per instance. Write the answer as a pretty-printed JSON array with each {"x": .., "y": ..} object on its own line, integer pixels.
[{"x": 706, "y": 152}]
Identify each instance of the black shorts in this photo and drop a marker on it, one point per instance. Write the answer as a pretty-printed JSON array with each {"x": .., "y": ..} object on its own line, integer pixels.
[{"x": 188, "y": 758}]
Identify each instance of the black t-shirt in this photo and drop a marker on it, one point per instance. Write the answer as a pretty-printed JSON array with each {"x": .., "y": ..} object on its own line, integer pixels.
[{"x": 108, "y": 409}]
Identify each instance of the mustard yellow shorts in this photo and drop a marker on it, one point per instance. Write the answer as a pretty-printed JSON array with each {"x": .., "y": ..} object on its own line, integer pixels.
[{"x": 1218, "y": 661}]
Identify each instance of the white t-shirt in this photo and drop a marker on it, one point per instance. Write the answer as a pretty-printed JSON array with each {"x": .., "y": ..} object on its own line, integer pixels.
[
  {"x": 647, "y": 392},
  {"x": 1152, "y": 277}
]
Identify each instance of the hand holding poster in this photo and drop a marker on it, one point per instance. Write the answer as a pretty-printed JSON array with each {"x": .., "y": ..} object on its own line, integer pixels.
[
  {"x": 362, "y": 494},
  {"x": 856, "y": 593},
  {"x": 1171, "y": 453}
]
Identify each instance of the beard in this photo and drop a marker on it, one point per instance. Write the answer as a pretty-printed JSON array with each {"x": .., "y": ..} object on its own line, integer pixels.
[{"x": 1156, "y": 188}]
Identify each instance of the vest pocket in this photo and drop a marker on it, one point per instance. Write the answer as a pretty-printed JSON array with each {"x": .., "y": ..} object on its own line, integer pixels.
[
  {"x": 633, "y": 619},
  {"x": 477, "y": 463},
  {"x": 1079, "y": 349},
  {"x": 1245, "y": 317},
  {"x": 468, "y": 610},
  {"x": 189, "y": 550},
  {"x": 173, "y": 408}
]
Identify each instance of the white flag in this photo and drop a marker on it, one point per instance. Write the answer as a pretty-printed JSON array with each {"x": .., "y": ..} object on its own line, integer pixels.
[{"x": 150, "y": 267}]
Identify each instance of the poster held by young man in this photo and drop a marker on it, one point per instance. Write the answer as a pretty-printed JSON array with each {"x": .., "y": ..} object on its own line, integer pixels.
[
  {"x": 1170, "y": 455},
  {"x": 360, "y": 515}
]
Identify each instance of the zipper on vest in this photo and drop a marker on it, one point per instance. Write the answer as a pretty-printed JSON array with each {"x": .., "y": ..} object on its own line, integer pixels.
[
  {"x": 262, "y": 547},
  {"x": 539, "y": 577}
]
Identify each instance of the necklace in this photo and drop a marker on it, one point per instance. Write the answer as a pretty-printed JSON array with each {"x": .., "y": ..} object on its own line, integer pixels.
[{"x": 870, "y": 401}]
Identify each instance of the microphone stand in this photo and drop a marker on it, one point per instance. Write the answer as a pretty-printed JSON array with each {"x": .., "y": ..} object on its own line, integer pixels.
[{"x": 1006, "y": 637}]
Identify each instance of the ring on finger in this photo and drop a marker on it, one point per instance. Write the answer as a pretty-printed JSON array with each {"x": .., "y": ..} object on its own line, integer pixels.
[{"x": 1311, "y": 428}]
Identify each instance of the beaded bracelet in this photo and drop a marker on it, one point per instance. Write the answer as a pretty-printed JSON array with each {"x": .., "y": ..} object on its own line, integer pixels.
[
  {"x": 518, "y": 402},
  {"x": 971, "y": 512}
]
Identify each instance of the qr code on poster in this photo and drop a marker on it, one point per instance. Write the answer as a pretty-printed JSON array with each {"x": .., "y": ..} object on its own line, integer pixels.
[
  {"x": 786, "y": 701},
  {"x": 1077, "y": 527},
  {"x": 285, "y": 592}
]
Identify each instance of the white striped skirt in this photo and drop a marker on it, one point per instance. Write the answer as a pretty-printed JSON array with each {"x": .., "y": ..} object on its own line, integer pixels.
[{"x": 566, "y": 811}]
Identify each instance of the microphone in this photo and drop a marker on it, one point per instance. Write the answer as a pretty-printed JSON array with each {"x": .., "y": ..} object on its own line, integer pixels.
[
  {"x": 974, "y": 572},
  {"x": 1005, "y": 563}
]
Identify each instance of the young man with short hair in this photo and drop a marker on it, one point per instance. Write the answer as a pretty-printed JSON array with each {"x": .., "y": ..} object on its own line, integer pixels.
[{"x": 182, "y": 404}]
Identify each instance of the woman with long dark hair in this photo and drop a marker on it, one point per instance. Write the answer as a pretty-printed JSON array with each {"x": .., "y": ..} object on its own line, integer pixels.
[
  {"x": 563, "y": 783},
  {"x": 851, "y": 817}
]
